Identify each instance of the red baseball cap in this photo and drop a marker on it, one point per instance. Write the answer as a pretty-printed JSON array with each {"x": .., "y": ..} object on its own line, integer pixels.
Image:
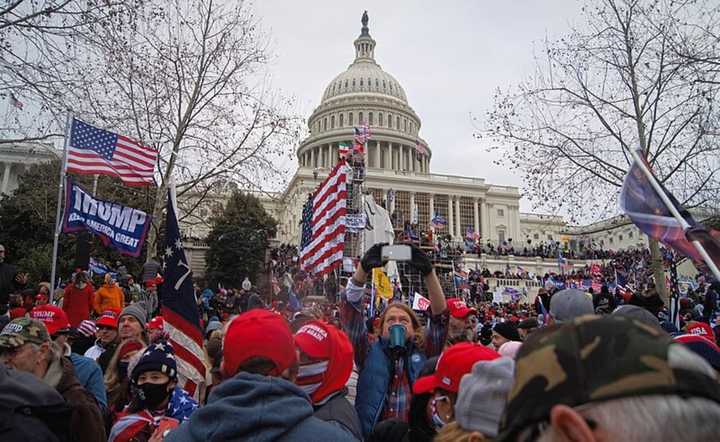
[
  {"x": 458, "y": 308},
  {"x": 107, "y": 319},
  {"x": 702, "y": 329},
  {"x": 53, "y": 317},
  {"x": 452, "y": 364},
  {"x": 156, "y": 323},
  {"x": 258, "y": 333}
]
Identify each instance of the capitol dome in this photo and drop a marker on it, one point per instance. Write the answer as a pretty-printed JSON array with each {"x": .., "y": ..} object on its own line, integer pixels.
[{"x": 365, "y": 94}]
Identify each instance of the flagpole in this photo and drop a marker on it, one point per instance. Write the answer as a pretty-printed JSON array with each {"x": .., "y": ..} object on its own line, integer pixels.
[
  {"x": 675, "y": 212},
  {"x": 58, "y": 211}
]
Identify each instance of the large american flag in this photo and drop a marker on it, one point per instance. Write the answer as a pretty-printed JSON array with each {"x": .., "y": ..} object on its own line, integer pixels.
[
  {"x": 96, "y": 151},
  {"x": 323, "y": 223},
  {"x": 180, "y": 309}
]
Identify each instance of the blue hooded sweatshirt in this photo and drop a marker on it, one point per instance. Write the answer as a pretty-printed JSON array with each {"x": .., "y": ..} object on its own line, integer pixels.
[{"x": 257, "y": 408}]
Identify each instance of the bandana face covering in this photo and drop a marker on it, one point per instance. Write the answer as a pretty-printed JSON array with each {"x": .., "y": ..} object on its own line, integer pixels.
[
  {"x": 310, "y": 376},
  {"x": 437, "y": 421}
]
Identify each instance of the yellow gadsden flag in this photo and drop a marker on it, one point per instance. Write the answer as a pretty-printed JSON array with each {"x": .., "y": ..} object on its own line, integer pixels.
[{"x": 382, "y": 284}]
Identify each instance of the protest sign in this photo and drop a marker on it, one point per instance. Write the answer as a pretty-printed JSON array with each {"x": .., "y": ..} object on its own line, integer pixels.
[{"x": 420, "y": 303}]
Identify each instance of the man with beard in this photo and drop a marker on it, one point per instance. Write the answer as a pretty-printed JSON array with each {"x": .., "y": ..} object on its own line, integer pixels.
[{"x": 460, "y": 326}]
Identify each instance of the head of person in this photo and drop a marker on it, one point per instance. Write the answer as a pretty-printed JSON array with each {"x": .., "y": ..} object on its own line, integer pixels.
[
  {"x": 107, "y": 328},
  {"x": 456, "y": 361},
  {"x": 153, "y": 378},
  {"x": 703, "y": 347},
  {"x": 325, "y": 359},
  {"x": 156, "y": 328},
  {"x": 56, "y": 322},
  {"x": 80, "y": 280},
  {"x": 609, "y": 378},
  {"x": 261, "y": 343},
  {"x": 480, "y": 402},
  {"x": 460, "y": 326},
  {"x": 25, "y": 345},
  {"x": 118, "y": 368},
  {"x": 527, "y": 326},
  {"x": 2, "y": 253},
  {"x": 568, "y": 304},
  {"x": 41, "y": 299},
  {"x": 503, "y": 332},
  {"x": 510, "y": 349},
  {"x": 401, "y": 314},
  {"x": 638, "y": 313},
  {"x": 131, "y": 322},
  {"x": 109, "y": 280}
]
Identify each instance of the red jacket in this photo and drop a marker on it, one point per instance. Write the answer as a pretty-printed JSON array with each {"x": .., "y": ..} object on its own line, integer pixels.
[{"x": 78, "y": 303}]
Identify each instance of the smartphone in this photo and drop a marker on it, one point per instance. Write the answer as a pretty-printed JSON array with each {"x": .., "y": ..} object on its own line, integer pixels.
[{"x": 400, "y": 252}]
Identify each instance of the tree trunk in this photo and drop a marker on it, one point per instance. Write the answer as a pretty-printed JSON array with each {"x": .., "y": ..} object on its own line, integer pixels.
[
  {"x": 152, "y": 236},
  {"x": 658, "y": 272}
]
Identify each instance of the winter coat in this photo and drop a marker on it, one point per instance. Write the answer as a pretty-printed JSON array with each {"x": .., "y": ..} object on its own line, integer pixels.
[
  {"x": 375, "y": 380},
  {"x": 258, "y": 408},
  {"x": 108, "y": 297},
  {"x": 338, "y": 410},
  {"x": 90, "y": 376},
  {"x": 86, "y": 422},
  {"x": 78, "y": 303},
  {"x": 30, "y": 410},
  {"x": 8, "y": 285}
]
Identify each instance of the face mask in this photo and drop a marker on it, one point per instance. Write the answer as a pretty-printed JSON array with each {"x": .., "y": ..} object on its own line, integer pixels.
[
  {"x": 310, "y": 376},
  {"x": 437, "y": 421},
  {"x": 152, "y": 395},
  {"x": 123, "y": 369}
]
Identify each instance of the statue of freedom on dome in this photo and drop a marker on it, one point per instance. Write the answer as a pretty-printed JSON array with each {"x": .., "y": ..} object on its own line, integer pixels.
[{"x": 364, "y": 19}]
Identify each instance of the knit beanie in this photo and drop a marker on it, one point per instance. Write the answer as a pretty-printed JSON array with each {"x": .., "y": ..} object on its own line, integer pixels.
[
  {"x": 156, "y": 357},
  {"x": 136, "y": 311},
  {"x": 87, "y": 328},
  {"x": 507, "y": 330}
]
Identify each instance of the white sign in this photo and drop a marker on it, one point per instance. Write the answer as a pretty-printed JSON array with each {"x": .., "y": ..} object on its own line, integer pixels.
[{"x": 420, "y": 302}]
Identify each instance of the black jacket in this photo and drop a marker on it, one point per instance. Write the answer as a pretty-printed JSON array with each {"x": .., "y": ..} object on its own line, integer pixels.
[
  {"x": 337, "y": 409},
  {"x": 8, "y": 285}
]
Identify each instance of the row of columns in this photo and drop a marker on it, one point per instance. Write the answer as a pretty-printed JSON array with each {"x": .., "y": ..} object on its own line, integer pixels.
[
  {"x": 481, "y": 220},
  {"x": 386, "y": 155},
  {"x": 5, "y": 179}
]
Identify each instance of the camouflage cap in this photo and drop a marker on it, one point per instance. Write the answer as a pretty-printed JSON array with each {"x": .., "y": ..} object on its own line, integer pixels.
[
  {"x": 21, "y": 331},
  {"x": 592, "y": 359}
]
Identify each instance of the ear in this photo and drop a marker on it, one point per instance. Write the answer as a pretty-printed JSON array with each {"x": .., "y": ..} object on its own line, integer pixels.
[{"x": 570, "y": 424}]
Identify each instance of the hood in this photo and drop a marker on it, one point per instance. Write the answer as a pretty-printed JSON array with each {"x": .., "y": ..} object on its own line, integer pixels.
[
  {"x": 264, "y": 408},
  {"x": 18, "y": 389}
]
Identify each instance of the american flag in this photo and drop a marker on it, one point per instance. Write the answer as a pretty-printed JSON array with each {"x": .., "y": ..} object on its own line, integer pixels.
[
  {"x": 362, "y": 133},
  {"x": 180, "y": 309},
  {"x": 323, "y": 223},
  {"x": 343, "y": 150},
  {"x": 421, "y": 148},
  {"x": 96, "y": 151}
]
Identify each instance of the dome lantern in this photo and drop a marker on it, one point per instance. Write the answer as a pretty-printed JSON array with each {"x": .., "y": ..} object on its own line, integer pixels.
[{"x": 364, "y": 44}]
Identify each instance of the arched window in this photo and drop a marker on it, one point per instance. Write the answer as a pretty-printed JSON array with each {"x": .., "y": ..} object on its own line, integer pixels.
[
  {"x": 360, "y": 118},
  {"x": 361, "y": 82},
  {"x": 397, "y": 123},
  {"x": 350, "y": 119},
  {"x": 325, "y": 124},
  {"x": 342, "y": 120},
  {"x": 405, "y": 125},
  {"x": 372, "y": 120},
  {"x": 381, "y": 121},
  {"x": 377, "y": 83},
  {"x": 353, "y": 84},
  {"x": 332, "y": 122},
  {"x": 345, "y": 84},
  {"x": 384, "y": 85},
  {"x": 390, "y": 121}
]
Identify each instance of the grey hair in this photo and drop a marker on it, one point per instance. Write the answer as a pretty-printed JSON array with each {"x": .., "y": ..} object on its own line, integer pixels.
[{"x": 654, "y": 417}]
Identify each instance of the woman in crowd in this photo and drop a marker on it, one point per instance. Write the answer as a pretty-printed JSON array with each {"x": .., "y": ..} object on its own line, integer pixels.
[
  {"x": 156, "y": 399},
  {"x": 117, "y": 382}
]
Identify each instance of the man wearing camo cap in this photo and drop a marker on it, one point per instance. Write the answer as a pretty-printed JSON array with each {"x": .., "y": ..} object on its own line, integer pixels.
[
  {"x": 609, "y": 378},
  {"x": 25, "y": 345}
]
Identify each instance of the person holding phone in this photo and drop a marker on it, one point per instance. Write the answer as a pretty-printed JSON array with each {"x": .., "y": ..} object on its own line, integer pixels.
[{"x": 390, "y": 365}]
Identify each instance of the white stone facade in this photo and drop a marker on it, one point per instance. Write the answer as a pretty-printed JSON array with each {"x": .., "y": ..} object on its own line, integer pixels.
[{"x": 16, "y": 158}]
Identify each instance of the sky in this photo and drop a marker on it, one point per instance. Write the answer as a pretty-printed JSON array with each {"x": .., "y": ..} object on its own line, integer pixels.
[{"x": 450, "y": 57}]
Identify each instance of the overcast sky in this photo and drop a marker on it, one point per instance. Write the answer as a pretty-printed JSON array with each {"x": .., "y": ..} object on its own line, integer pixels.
[{"x": 449, "y": 56}]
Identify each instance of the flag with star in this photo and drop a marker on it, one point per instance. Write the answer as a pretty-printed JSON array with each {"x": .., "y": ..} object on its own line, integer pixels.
[
  {"x": 180, "y": 308},
  {"x": 646, "y": 209},
  {"x": 95, "y": 151}
]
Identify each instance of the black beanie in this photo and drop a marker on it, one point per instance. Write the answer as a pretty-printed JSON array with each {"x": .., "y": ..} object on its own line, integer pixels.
[{"x": 507, "y": 330}]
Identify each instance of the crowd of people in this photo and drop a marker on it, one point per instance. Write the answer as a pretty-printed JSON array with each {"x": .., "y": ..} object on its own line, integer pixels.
[{"x": 95, "y": 362}]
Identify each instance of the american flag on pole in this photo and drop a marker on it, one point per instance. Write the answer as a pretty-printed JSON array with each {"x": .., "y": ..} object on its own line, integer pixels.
[
  {"x": 362, "y": 133},
  {"x": 180, "y": 310},
  {"x": 96, "y": 151},
  {"x": 323, "y": 223}
]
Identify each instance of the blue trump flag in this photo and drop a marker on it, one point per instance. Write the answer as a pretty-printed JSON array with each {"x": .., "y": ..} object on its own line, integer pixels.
[
  {"x": 121, "y": 227},
  {"x": 180, "y": 308}
]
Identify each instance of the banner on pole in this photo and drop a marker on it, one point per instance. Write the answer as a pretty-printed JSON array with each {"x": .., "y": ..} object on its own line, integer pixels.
[
  {"x": 383, "y": 287},
  {"x": 121, "y": 227}
]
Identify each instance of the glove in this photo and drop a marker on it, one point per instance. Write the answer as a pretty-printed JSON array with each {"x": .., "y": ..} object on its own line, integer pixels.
[
  {"x": 420, "y": 261},
  {"x": 372, "y": 258}
]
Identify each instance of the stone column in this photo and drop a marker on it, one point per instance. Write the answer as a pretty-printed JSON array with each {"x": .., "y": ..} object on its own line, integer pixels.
[
  {"x": 432, "y": 206},
  {"x": 312, "y": 157},
  {"x": 377, "y": 154},
  {"x": 484, "y": 220},
  {"x": 450, "y": 220},
  {"x": 458, "y": 218},
  {"x": 330, "y": 162},
  {"x": 412, "y": 204},
  {"x": 5, "y": 178},
  {"x": 476, "y": 218}
]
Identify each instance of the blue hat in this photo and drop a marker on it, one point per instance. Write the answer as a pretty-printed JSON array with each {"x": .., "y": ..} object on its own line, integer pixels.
[{"x": 158, "y": 357}]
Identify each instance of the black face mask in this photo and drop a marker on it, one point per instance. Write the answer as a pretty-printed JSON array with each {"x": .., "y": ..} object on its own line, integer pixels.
[
  {"x": 152, "y": 395},
  {"x": 122, "y": 370}
]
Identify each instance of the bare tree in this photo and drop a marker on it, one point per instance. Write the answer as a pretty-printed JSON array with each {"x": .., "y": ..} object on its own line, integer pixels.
[
  {"x": 186, "y": 77},
  {"x": 614, "y": 83}
]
